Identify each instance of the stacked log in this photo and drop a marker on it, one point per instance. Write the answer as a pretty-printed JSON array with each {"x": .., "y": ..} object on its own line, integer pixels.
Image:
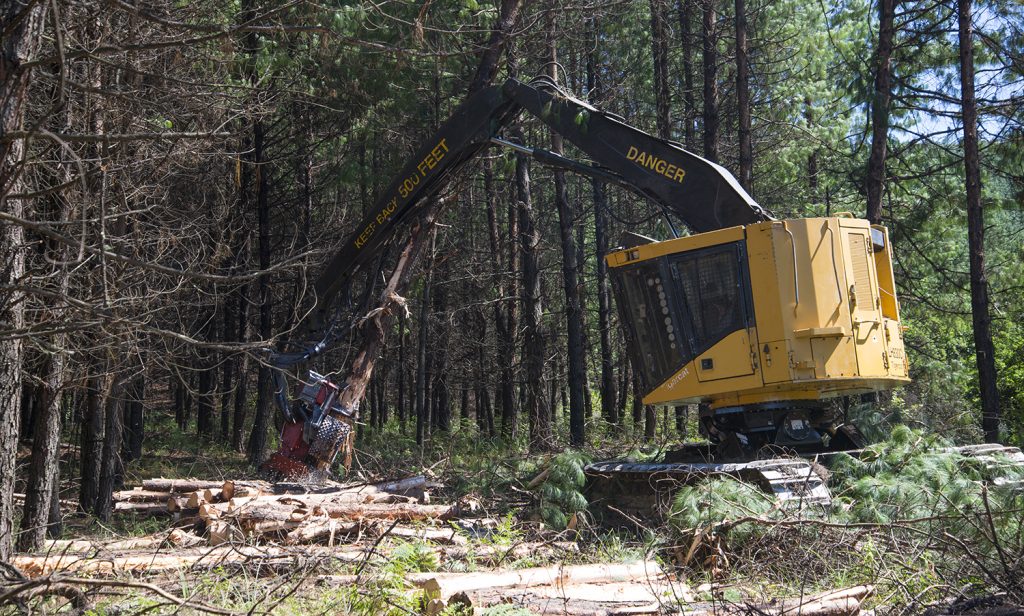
[{"x": 292, "y": 513}]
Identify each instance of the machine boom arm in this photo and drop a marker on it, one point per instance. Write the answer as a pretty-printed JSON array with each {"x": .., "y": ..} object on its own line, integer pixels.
[{"x": 704, "y": 195}]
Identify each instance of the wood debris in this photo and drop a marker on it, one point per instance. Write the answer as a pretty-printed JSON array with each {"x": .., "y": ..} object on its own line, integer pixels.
[{"x": 290, "y": 513}]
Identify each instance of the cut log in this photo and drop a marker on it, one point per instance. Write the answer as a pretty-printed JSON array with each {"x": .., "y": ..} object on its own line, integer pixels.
[
  {"x": 140, "y": 496},
  {"x": 444, "y": 536},
  {"x": 444, "y": 585},
  {"x": 206, "y": 558},
  {"x": 176, "y": 503},
  {"x": 327, "y": 531},
  {"x": 179, "y": 486},
  {"x": 142, "y": 508},
  {"x": 405, "y": 512}
]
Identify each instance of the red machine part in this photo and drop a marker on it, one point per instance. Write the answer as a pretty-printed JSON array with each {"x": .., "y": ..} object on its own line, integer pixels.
[{"x": 289, "y": 459}]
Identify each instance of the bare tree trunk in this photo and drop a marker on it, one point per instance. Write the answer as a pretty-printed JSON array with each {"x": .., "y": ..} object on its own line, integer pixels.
[
  {"x": 134, "y": 419},
  {"x": 264, "y": 385},
  {"x": 659, "y": 53},
  {"x": 422, "y": 401},
  {"x": 241, "y": 387},
  {"x": 689, "y": 102},
  {"x": 44, "y": 471},
  {"x": 92, "y": 437},
  {"x": 609, "y": 408},
  {"x": 577, "y": 368},
  {"x": 23, "y": 25},
  {"x": 710, "y": 38},
  {"x": 743, "y": 100},
  {"x": 880, "y": 109},
  {"x": 984, "y": 349},
  {"x": 401, "y": 369},
  {"x": 110, "y": 466},
  {"x": 537, "y": 414},
  {"x": 504, "y": 312}
]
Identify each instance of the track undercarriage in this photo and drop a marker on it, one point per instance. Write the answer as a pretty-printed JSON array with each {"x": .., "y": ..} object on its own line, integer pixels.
[{"x": 783, "y": 450}]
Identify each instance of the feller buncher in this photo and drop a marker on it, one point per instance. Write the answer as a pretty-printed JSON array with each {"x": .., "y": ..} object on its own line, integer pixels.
[{"x": 759, "y": 321}]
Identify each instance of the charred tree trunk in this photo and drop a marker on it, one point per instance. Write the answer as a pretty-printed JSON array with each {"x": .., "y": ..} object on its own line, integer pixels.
[
  {"x": 880, "y": 109},
  {"x": 982, "y": 318},
  {"x": 710, "y": 40},
  {"x": 743, "y": 100}
]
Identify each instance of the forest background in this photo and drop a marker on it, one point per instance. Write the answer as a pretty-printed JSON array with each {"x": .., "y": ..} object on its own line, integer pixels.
[{"x": 175, "y": 174}]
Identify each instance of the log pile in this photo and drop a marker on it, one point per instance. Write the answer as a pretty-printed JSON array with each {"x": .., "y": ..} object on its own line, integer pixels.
[{"x": 289, "y": 513}]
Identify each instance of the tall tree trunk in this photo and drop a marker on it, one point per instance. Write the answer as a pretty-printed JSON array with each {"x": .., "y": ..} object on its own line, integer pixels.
[
  {"x": 110, "y": 465},
  {"x": 207, "y": 379},
  {"x": 743, "y": 100},
  {"x": 504, "y": 312},
  {"x": 264, "y": 384},
  {"x": 401, "y": 369},
  {"x": 44, "y": 465},
  {"x": 609, "y": 407},
  {"x": 983, "y": 347},
  {"x": 880, "y": 109},
  {"x": 710, "y": 39},
  {"x": 689, "y": 102},
  {"x": 23, "y": 25},
  {"x": 229, "y": 362},
  {"x": 134, "y": 419},
  {"x": 570, "y": 278},
  {"x": 422, "y": 401},
  {"x": 241, "y": 387},
  {"x": 93, "y": 423},
  {"x": 538, "y": 417},
  {"x": 659, "y": 54}
]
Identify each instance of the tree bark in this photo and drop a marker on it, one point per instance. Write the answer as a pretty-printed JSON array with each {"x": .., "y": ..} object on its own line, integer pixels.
[
  {"x": 538, "y": 417},
  {"x": 264, "y": 384},
  {"x": 609, "y": 407},
  {"x": 44, "y": 465},
  {"x": 504, "y": 312},
  {"x": 982, "y": 318},
  {"x": 134, "y": 419},
  {"x": 689, "y": 102},
  {"x": 110, "y": 464},
  {"x": 92, "y": 438},
  {"x": 659, "y": 54},
  {"x": 710, "y": 40},
  {"x": 241, "y": 387},
  {"x": 422, "y": 401},
  {"x": 743, "y": 100},
  {"x": 576, "y": 365},
  {"x": 23, "y": 26},
  {"x": 880, "y": 109}
]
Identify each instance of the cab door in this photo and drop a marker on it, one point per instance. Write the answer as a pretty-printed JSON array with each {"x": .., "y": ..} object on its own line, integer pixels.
[{"x": 864, "y": 302}]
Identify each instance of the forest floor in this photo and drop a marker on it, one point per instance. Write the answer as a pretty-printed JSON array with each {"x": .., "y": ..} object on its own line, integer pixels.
[{"x": 470, "y": 539}]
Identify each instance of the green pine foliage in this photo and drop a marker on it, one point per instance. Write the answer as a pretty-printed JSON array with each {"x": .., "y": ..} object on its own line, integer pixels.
[
  {"x": 717, "y": 504},
  {"x": 561, "y": 493}
]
